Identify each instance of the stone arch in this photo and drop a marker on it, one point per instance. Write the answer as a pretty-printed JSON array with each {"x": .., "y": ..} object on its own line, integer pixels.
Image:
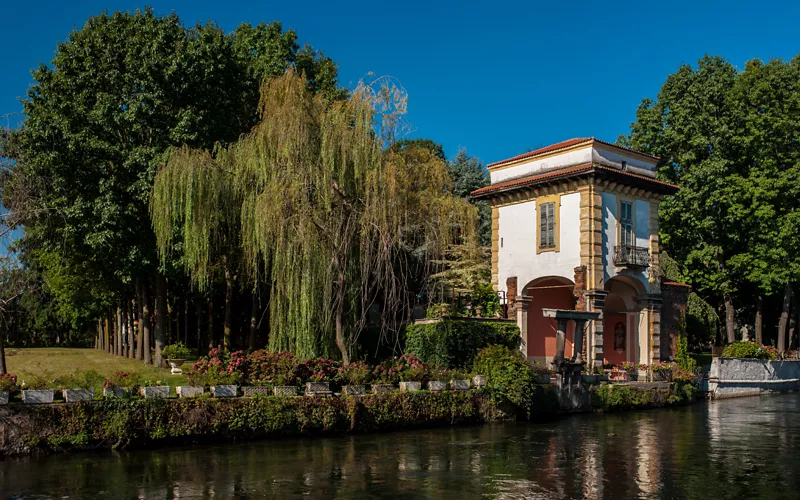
[
  {"x": 621, "y": 319},
  {"x": 553, "y": 292}
]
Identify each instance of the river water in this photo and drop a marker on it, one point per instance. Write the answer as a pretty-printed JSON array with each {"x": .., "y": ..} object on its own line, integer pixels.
[{"x": 742, "y": 448}]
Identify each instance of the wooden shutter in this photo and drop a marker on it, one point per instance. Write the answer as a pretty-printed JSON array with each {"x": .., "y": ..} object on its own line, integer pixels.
[{"x": 547, "y": 225}]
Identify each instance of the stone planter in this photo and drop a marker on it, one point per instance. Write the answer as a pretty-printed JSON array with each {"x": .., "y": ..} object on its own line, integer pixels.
[
  {"x": 3, "y": 398},
  {"x": 73, "y": 395},
  {"x": 223, "y": 391},
  {"x": 437, "y": 385},
  {"x": 659, "y": 376},
  {"x": 252, "y": 390},
  {"x": 189, "y": 391},
  {"x": 175, "y": 365},
  {"x": 116, "y": 392},
  {"x": 37, "y": 396},
  {"x": 382, "y": 388},
  {"x": 459, "y": 385},
  {"x": 285, "y": 390},
  {"x": 155, "y": 392},
  {"x": 410, "y": 386},
  {"x": 479, "y": 381},
  {"x": 618, "y": 376},
  {"x": 543, "y": 378},
  {"x": 318, "y": 388},
  {"x": 354, "y": 390}
]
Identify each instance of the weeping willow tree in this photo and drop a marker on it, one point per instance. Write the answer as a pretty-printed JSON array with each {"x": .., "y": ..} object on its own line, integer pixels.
[{"x": 316, "y": 207}]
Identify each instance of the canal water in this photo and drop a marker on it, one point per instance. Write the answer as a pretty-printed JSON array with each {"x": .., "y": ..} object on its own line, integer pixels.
[{"x": 743, "y": 448}]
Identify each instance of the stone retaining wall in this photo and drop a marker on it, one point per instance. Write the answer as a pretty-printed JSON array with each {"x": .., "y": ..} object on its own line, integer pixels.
[{"x": 733, "y": 377}]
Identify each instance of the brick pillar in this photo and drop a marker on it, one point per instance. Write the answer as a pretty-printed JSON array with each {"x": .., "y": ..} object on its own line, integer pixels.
[
  {"x": 511, "y": 295},
  {"x": 595, "y": 302},
  {"x": 580, "y": 288},
  {"x": 521, "y": 304}
]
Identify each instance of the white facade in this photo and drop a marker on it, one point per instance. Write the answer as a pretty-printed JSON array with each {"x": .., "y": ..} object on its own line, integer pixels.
[
  {"x": 517, "y": 254},
  {"x": 641, "y": 233}
]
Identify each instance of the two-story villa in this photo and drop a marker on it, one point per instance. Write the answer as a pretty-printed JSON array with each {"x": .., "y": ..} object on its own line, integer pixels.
[{"x": 575, "y": 226}]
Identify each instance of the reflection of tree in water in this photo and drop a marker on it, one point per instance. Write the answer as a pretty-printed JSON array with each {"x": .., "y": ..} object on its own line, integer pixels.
[{"x": 725, "y": 449}]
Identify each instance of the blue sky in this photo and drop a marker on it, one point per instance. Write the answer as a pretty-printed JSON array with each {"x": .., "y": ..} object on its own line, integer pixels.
[{"x": 498, "y": 78}]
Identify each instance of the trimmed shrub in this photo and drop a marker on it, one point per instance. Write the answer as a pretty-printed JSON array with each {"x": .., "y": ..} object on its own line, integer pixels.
[
  {"x": 510, "y": 379},
  {"x": 611, "y": 397},
  {"x": 452, "y": 343},
  {"x": 749, "y": 350}
]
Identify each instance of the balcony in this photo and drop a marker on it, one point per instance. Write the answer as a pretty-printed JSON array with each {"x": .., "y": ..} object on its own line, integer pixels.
[{"x": 630, "y": 256}]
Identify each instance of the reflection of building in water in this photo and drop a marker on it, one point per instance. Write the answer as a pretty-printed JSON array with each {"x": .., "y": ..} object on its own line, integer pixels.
[
  {"x": 591, "y": 469},
  {"x": 648, "y": 467}
]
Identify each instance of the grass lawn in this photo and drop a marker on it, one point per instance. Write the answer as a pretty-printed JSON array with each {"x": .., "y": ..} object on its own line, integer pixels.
[{"x": 59, "y": 362}]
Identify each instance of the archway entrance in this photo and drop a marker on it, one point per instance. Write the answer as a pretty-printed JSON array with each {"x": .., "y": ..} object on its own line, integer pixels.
[
  {"x": 621, "y": 318},
  {"x": 547, "y": 293}
]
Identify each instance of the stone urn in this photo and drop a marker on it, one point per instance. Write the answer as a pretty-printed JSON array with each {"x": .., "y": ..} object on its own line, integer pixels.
[
  {"x": 459, "y": 385},
  {"x": 354, "y": 390},
  {"x": 175, "y": 366},
  {"x": 318, "y": 388},
  {"x": 382, "y": 388},
  {"x": 410, "y": 386},
  {"x": 224, "y": 391},
  {"x": 189, "y": 391},
  {"x": 285, "y": 390},
  {"x": 73, "y": 395},
  {"x": 437, "y": 385}
]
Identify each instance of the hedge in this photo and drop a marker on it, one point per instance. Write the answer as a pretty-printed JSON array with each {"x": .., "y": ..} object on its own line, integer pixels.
[
  {"x": 453, "y": 343},
  {"x": 612, "y": 397},
  {"x": 132, "y": 423}
]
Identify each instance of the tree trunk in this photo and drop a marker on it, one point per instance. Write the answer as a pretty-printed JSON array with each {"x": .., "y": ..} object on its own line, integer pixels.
[
  {"x": 228, "y": 306},
  {"x": 729, "y": 318},
  {"x": 110, "y": 331},
  {"x": 759, "y": 320},
  {"x": 199, "y": 326},
  {"x": 186, "y": 322},
  {"x": 3, "y": 369},
  {"x": 212, "y": 339},
  {"x": 251, "y": 341},
  {"x": 145, "y": 322},
  {"x": 140, "y": 323},
  {"x": 120, "y": 335},
  {"x": 99, "y": 342},
  {"x": 161, "y": 315},
  {"x": 340, "y": 341},
  {"x": 129, "y": 311},
  {"x": 787, "y": 303}
]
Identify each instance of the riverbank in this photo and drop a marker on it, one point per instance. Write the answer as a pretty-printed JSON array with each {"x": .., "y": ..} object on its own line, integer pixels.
[{"x": 139, "y": 423}]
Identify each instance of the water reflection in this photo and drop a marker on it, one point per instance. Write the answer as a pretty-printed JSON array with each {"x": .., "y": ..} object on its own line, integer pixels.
[{"x": 727, "y": 449}]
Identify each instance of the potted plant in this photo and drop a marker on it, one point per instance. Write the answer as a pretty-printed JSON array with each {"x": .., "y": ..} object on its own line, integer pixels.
[
  {"x": 175, "y": 355},
  {"x": 189, "y": 391},
  {"x": 223, "y": 384},
  {"x": 35, "y": 390},
  {"x": 8, "y": 385},
  {"x": 437, "y": 381},
  {"x": 256, "y": 388},
  {"x": 154, "y": 389},
  {"x": 411, "y": 378},
  {"x": 385, "y": 375},
  {"x": 459, "y": 381},
  {"x": 119, "y": 384},
  {"x": 353, "y": 377},
  {"x": 79, "y": 386},
  {"x": 285, "y": 385},
  {"x": 318, "y": 374},
  {"x": 541, "y": 371},
  {"x": 479, "y": 381}
]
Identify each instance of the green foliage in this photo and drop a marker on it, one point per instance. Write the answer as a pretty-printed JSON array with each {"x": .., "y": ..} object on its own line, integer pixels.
[
  {"x": 453, "y": 343},
  {"x": 511, "y": 379},
  {"x": 120, "y": 423},
  {"x": 121, "y": 380},
  {"x": 82, "y": 379},
  {"x": 355, "y": 373},
  {"x": 8, "y": 383},
  {"x": 330, "y": 244},
  {"x": 682, "y": 358},
  {"x": 729, "y": 139},
  {"x": 469, "y": 174},
  {"x": 175, "y": 351},
  {"x": 611, "y": 397},
  {"x": 749, "y": 350}
]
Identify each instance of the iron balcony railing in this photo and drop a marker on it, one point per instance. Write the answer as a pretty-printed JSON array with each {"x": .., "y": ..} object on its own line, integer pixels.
[{"x": 628, "y": 255}]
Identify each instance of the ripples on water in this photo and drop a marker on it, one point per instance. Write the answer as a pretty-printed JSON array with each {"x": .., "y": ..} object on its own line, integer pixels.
[{"x": 745, "y": 448}]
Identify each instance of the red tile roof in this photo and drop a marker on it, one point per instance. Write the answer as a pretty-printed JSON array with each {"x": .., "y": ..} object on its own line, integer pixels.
[
  {"x": 563, "y": 145},
  {"x": 532, "y": 180}
]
